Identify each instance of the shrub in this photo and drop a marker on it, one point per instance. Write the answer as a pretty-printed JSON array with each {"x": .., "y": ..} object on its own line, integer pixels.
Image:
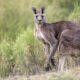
[
  {"x": 27, "y": 53},
  {"x": 6, "y": 58}
]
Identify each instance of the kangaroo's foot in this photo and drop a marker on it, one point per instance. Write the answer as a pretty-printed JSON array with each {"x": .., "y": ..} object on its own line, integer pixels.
[
  {"x": 47, "y": 67},
  {"x": 53, "y": 62}
]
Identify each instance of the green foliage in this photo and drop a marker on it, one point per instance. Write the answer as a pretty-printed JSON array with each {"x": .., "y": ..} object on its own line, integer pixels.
[
  {"x": 6, "y": 58},
  {"x": 75, "y": 14},
  {"x": 26, "y": 53},
  {"x": 20, "y": 52}
]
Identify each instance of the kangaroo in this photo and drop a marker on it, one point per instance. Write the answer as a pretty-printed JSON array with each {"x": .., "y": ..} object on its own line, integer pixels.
[{"x": 49, "y": 34}]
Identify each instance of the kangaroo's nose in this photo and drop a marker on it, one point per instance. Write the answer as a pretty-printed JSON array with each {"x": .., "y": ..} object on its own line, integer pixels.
[{"x": 39, "y": 18}]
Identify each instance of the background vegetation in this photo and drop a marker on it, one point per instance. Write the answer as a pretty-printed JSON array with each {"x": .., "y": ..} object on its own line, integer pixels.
[{"x": 20, "y": 51}]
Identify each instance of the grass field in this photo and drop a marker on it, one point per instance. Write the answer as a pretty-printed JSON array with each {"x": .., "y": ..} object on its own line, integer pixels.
[{"x": 72, "y": 74}]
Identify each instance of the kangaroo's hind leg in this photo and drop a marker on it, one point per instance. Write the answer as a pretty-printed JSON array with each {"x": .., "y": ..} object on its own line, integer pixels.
[
  {"x": 61, "y": 63},
  {"x": 64, "y": 44}
]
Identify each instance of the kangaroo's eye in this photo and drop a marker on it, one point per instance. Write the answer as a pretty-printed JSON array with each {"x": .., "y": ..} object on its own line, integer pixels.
[{"x": 36, "y": 16}]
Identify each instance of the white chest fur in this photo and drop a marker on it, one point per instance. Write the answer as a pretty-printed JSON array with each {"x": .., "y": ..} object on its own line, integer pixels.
[{"x": 38, "y": 32}]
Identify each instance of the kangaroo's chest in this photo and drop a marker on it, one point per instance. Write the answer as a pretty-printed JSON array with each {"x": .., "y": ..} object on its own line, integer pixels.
[{"x": 39, "y": 34}]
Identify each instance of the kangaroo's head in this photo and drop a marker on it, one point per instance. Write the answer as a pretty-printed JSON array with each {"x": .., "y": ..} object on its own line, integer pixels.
[{"x": 38, "y": 15}]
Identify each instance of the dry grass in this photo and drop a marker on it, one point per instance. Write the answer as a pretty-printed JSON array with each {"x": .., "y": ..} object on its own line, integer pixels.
[{"x": 72, "y": 74}]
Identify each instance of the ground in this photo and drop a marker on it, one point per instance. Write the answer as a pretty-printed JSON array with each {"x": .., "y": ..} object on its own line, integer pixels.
[{"x": 72, "y": 74}]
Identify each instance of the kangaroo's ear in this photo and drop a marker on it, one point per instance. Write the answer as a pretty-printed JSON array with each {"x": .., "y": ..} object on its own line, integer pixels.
[
  {"x": 42, "y": 10},
  {"x": 34, "y": 10}
]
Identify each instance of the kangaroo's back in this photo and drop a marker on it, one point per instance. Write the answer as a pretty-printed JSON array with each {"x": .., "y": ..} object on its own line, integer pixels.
[
  {"x": 57, "y": 28},
  {"x": 63, "y": 25}
]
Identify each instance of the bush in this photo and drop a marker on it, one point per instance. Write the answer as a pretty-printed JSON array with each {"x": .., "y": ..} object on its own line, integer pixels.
[
  {"x": 75, "y": 15},
  {"x": 27, "y": 56},
  {"x": 6, "y": 58}
]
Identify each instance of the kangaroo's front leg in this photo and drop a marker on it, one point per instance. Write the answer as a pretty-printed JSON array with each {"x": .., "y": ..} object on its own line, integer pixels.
[
  {"x": 53, "y": 48},
  {"x": 47, "y": 53}
]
